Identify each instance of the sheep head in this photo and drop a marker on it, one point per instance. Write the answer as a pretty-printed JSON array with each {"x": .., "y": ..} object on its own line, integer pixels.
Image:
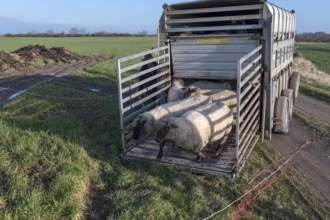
[
  {"x": 164, "y": 130},
  {"x": 139, "y": 125}
]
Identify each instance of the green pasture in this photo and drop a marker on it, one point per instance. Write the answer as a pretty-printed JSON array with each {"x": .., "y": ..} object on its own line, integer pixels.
[
  {"x": 89, "y": 46},
  {"x": 59, "y": 156},
  {"x": 85, "y": 45},
  {"x": 317, "y": 53}
]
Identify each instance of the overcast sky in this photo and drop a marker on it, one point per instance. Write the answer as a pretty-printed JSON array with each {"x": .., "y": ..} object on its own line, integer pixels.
[{"x": 21, "y": 16}]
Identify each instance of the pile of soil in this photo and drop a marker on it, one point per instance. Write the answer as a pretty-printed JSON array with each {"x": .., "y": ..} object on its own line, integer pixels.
[
  {"x": 10, "y": 60},
  {"x": 21, "y": 57},
  {"x": 309, "y": 71},
  {"x": 38, "y": 52}
]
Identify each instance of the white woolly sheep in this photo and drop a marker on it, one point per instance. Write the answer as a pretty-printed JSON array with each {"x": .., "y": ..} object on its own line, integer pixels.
[
  {"x": 195, "y": 129},
  {"x": 228, "y": 97},
  {"x": 178, "y": 91},
  {"x": 147, "y": 122},
  {"x": 203, "y": 84}
]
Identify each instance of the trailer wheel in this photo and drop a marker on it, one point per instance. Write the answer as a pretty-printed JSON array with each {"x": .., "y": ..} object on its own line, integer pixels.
[
  {"x": 294, "y": 83},
  {"x": 289, "y": 94},
  {"x": 281, "y": 115}
]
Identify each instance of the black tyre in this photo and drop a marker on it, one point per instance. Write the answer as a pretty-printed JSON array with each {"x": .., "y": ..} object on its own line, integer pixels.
[
  {"x": 290, "y": 95},
  {"x": 294, "y": 83},
  {"x": 281, "y": 115}
]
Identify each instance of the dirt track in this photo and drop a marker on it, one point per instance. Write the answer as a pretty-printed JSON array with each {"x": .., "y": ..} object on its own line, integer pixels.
[
  {"x": 22, "y": 81},
  {"x": 313, "y": 164}
]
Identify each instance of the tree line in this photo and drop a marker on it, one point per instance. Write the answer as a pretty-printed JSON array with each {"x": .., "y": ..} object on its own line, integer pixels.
[
  {"x": 75, "y": 32},
  {"x": 313, "y": 37}
]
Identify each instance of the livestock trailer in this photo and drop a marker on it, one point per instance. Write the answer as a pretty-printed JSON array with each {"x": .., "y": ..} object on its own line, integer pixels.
[{"x": 247, "y": 43}]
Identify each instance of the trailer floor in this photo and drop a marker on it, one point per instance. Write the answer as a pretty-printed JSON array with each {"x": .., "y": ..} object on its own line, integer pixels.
[{"x": 173, "y": 156}]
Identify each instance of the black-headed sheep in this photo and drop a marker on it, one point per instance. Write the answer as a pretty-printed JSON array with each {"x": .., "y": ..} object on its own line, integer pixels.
[{"x": 195, "y": 129}]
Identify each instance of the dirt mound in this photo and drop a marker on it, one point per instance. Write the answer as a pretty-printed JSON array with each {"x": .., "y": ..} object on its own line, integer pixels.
[
  {"x": 309, "y": 71},
  {"x": 21, "y": 57},
  {"x": 38, "y": 52},
  {"x": 10, "y": 60}
]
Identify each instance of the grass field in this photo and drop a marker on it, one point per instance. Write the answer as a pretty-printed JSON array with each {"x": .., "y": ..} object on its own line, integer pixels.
[
  {"x": 59, "y": 157},
  {"x": 317, "y": 53}
]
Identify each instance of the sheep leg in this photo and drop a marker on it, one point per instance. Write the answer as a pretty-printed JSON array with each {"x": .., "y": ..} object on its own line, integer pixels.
[
  {"x": 200, "y": 156},
  {"x": 161, "y": 147},
  {"x": 221, "y": 146}
]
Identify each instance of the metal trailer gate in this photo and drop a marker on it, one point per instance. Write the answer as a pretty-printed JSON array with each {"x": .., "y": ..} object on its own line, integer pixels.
[
  {"x": 248, "y": 115},
  {"x": 134, "y": 93},
  {"x": 232, "y": 158}
]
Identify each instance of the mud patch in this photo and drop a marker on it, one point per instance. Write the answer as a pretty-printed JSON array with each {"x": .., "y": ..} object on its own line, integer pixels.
[{"x": 21, "y": 58}]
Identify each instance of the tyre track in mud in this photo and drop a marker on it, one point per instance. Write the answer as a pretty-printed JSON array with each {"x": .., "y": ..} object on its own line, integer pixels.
[
  {"x": 312, "y": 165},
  {"x": 22, "y": 82}
]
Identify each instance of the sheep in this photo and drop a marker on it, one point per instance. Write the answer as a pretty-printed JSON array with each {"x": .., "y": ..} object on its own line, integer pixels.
[
  {"x": 146, "y": 123},
  {"x": 228, "y": 97},
  {"x": 197, "y": 128},
  {"x": 203, "y": 84},
  {"x": 177, "y": 91}
]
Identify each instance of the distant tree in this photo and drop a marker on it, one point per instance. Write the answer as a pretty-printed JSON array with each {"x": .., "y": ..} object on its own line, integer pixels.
[
  {"x": 50, "y": 32},
  {"x": 74, "y": 31},
  {"x": 33, "y": 32},
  {"x": 143, "y": 33},
  {"x": 313, "y": 37}
]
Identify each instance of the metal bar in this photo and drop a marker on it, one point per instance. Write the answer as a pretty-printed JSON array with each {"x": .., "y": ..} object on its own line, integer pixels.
[
  {"x": 247, "y": 154},
  {"x": 132, "y": 67},
  {"x": 252, "y": 63},
  {"x": 144, "y": 99},
  {"x": 213, "y": 35},
  {"x": 246, "y": 90},
  {"x": 238, "y": 110},
  {"x": 246, "y": 125},
  {"x": 135, "y": 85},
  {"x": 136, "y": 75},
  {"x": 247, "y": 141},
  {"x": 247, "y": 56},
  {"x": 281, "y": 67},
  {"x": 250, "y": 96},
  {"x": 263, "y": 123},
  {"x": 215, "y": 28},
  {"x": 120, "y": 103},
  {"x": 128, "y": 127},
  {"x": 247, "y": 78},
  {"x": 141, "y": 110},
  {"x": 213, "y": 19},
  {"x": 248, "y": 110},
  {"x": 132, "y": 96},
  {"x": 129, "y": 136},
  {"x": 218, "y": 9},
  {"x": 246, "y": 147},
  {"x": 134, "y": 56},
  {"x": 248, "y": 132}
]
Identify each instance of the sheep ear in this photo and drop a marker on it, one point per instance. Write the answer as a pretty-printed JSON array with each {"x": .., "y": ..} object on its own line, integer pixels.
[{"x": 174, "y": 125}]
